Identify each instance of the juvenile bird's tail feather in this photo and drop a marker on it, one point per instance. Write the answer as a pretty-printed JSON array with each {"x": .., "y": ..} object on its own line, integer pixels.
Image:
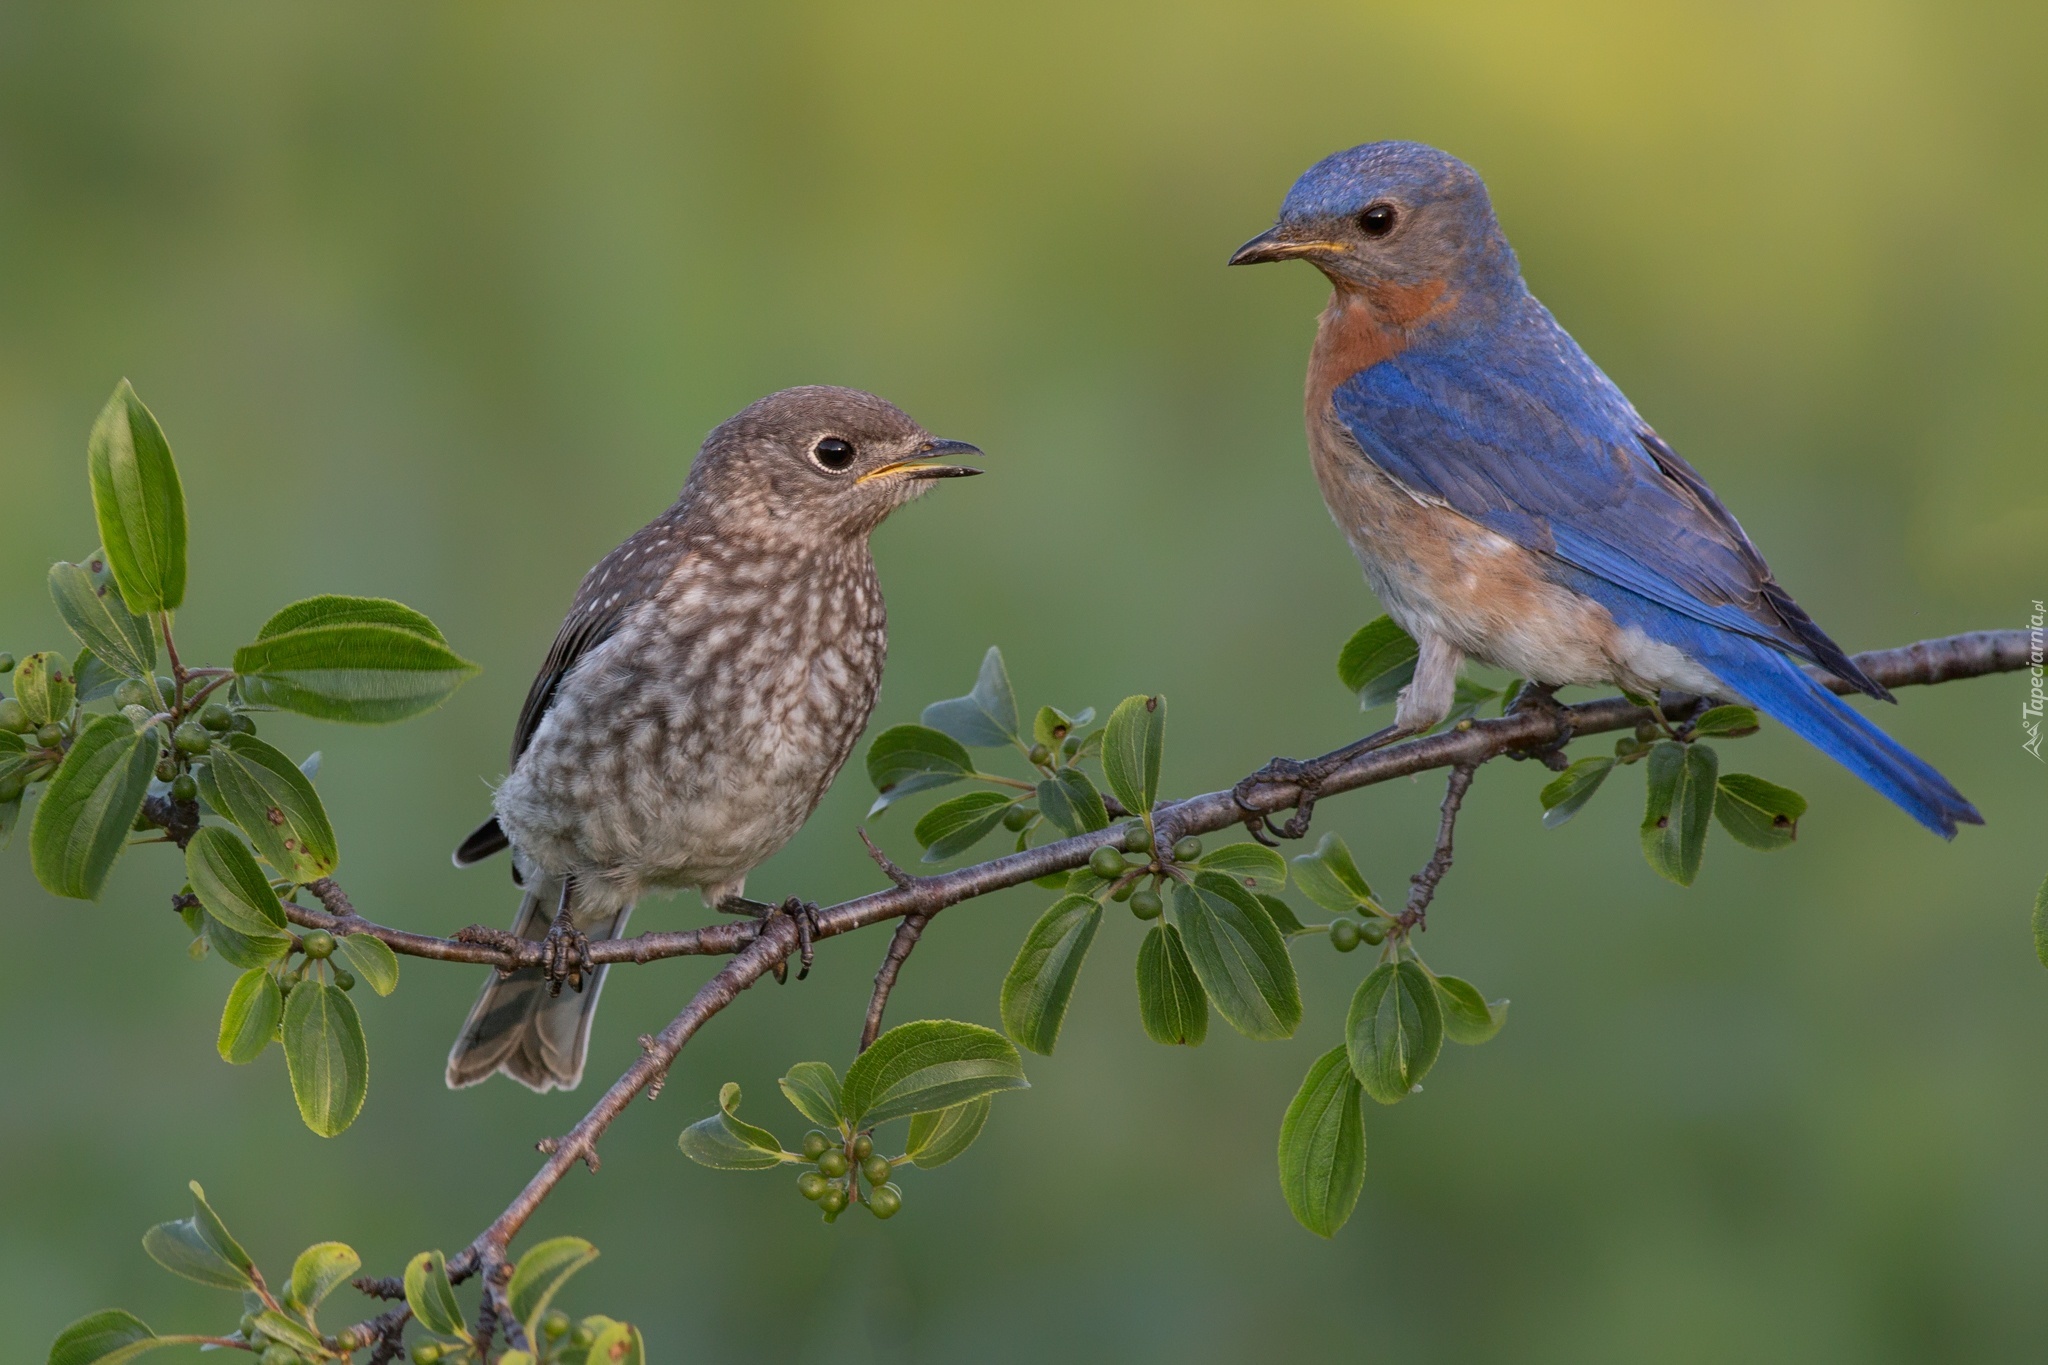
[
  {"x": 517, "y": 1027},
  {"x": 1778, "y": 687}
]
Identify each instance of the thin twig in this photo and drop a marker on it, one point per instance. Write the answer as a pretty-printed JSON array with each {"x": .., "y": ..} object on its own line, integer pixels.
[
  {"x": 900, "y": 944},
  {"x": 1422, "y": 886}
]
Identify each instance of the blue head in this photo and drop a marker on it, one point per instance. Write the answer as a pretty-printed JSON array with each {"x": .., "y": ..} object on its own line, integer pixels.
[{"x": 1390, "y": 213}]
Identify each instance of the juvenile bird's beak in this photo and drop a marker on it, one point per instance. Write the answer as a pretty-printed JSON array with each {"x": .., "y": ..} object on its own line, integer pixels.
[
  {"x": 916, "y": 468},
  {"x": 1277, "y": 244}
]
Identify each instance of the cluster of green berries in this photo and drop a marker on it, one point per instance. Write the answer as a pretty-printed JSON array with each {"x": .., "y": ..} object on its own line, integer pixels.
[
  {"x": 318, "y": 946},
  {"x": 833, "y": 1184},
  {"x": 1109, "y": 863},
  {"x": 1346, "y": 934}
]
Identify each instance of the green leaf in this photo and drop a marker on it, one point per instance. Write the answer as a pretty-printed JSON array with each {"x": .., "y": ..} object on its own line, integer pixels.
[
  {"x": 1394, "y": 1030},
  {"x": 1330, "y": 878},
  {"x": 985, "y": 718},
  {"x": 1132, "y": 744},
  {"x": 10, "y": 814},
  {"x": 1284, "y": 919},
  {"x": 364, "y": 672},
  {"x": 431, "y": 1297},
  {"x": 929, "y": 1064},
  {"x": 1051, "y": 726},
  {"x": 618, "y": 1344},
  {"x": 326, "y": 1055},
  {"x": 1468, "y": 1018},
  {"x": 82, "y": 821},
  {"x": 954, "y": 826},
  {"x": 543, "y": 1270},
  {"x": 370, "y": 958},
  {"x": 91, "y": 605},
  {"x": 1756, "y": 813},
  {"x": 139, "y": 503},
  {"x": 231, "y": 886},
  {"x": 271, "y": 801},
  {"x": 292, "y": 1333},
  {"x": 334, "y": 610},
  {"x": 2041, "y": 924},
  {"x": 1681, "y": 802},
  {"x": 108, "y": 1337},
  {"x": 1377, "y": 662},
  {"x": 726, "y": 1142},
  {"x": 1170, "y": 1000},
  {"x": 1322, "y": 1146},
  {"x": 1069, "y": 800},
  {"x": 43, "y": 688},
  {"x": 939, "y": 1135},
  {"x": 813, "y": 1087},
  {"x": 1238, "y": 953},
  {"x": 93, "y": 679},
  {"x": 1253, "y": 866},
  {"x": 201, "y": 1248},
  {"x": 1727, "y": 722},
  {"x": 320, "y": 1270},
  {"x": 255, "y": 1005},
  {"x": 912, "y": 758},
  {"x": 1040, "y": 983},
  {"x": 1567, "y": 793},
  {"x": 242, "y": 950}
]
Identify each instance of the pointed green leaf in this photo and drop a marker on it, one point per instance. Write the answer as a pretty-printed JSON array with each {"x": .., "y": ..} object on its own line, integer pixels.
[
  {"x": 44, "y": 687},
  {"x": 320, "y": 1270},
  {"x": 1255, "y": 867},
  {"x": 1759, "y": 814},
  {"x": 1727, "y": 722},
  {"x": 1170, "y": 1000},
  {"x": 255, "y": 1005},
  {"x": 430, "y": 1296},
  {"x": 1567, "y": 794},
  {"x": 326, "y": 1055},
  {"x": 543, "y": 1270},
  {"x": 231, "y": 886},
  {"x": 952, "y": 827},
  {"x": 93, "y": 679},
  {"x": 813, "y": 1087},
  {"x": 82, "y": 821},
  {"x": 139, "y": 503},
  {"x": 1322, "y": 1146},
  {"x": 370, "y": 958},
  {"x": 985, "y": 718},
  {"x": 366, "y": 672},
  {"x": 1680, "y": 805},
  {"x": 939, "y": 1135},
  {"x": 926, "y": 1065},
  {"x": 1468, "y": 1017},
  {"x": 291, "y": 1332},
  {"x": 1284, "y": 919},
  {"x": 201, "y": 1248},
  {"x": 1238, "y": 953},
  {"x": 1040, "y": 983},
  {"x": 335, "y": 610},
  {"x": 1132, "y": 745},
  {"x": 91, "y": 605},
  {"x": 108, "y": 1337},
  {"x": 727, "y": 1142},
  {"x": 1069, "y": 800},
  {"x": 911, "y": 758},
  {"x": 1330, "y": 878},
  {"x": 238, "y": 949},
  {"x": 273, "y": 803},
  {"x": 1377, "y": 662},
  {"x": 1394, "y": 1030},
  {"x": 1052, "y": 726}
]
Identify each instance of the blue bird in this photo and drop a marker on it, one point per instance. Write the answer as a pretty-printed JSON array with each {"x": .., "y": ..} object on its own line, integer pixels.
[{"x": 1509, "y": 505}]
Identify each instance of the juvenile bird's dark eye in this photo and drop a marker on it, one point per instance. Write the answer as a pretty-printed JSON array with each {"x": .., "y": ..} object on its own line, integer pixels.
[
  {"x": 833, "y": 454},
  {"x": 1377, "y": 221}
]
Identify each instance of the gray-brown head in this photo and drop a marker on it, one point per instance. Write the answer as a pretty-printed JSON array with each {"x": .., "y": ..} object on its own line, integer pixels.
[{"x": 817, "y": 461}]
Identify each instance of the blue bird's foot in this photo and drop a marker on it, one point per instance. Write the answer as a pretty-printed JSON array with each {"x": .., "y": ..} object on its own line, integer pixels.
[
  {"x": 803, "y": 912},
  {"x": 1542, "y": 699}
]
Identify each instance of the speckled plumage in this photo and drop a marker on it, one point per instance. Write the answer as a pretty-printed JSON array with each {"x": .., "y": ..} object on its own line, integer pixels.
[{"x": 713, "y": 675}]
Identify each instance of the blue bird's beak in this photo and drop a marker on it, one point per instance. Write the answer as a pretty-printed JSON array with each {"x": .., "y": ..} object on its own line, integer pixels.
[{"x": 1282, "y": 244}]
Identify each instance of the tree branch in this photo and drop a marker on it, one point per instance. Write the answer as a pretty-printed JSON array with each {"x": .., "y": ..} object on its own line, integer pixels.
[
  {"x": 1422, "y": 886},
  {"x": 900, "y": 944}
]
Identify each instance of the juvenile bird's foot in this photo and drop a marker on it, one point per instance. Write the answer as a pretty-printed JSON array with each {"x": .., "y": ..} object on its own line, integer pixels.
[
  {"x": 803, "y": 912},
  {"x": 565, "y": 955},
  {"x": 1306, "y": 776},
  {"x": 1542, "y": 698}
]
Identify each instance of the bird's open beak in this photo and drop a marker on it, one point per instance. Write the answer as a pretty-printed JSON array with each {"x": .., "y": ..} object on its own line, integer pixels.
[
  {"x": 1278, "y": 244},
  {"x": 916, "y": 468}
]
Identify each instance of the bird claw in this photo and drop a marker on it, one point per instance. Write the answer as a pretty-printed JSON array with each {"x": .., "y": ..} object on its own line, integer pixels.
[
  {"x": 565, "y": 956},
  {"x": 803, "y": 912},
  {"x": 1305, "y": 778},
  {"x": 1543, "y": 699}
]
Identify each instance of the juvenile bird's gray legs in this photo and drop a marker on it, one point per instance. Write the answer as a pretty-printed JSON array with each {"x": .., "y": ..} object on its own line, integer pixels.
[
  {"x": 804, "y": 912},
  {"x": 1542, "y": 697},
  {"x": 1422, "y": 706},
  {"x": 566, "y": 952}
]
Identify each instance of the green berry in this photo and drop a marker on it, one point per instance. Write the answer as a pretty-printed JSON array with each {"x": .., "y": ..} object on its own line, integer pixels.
[
  {"x": 1373, "y": 930},
  {"x": 1627, "y": 746},
  {"x": 886, "y": 1201},
  {"x": 277, "y": 1353},
  {"x": 248, "y": 1326},
  {"x": 344, "y": 978},
  {"x": 555, "y": 1325},
  {"x": 184, "y": 787},
  {"x": 192, "y": 739},
  {"x": 1072, "y": 746},
  {"x": 833, "y": 1200},
  {"x": 216, "y": 717},
  {"x": 815, "y": 1144},
  {"x": 1124, "y": 891},
  {"x": 129, "y": 692},
  {"x": 812, "y": 1186},
  {"x": 1187, "y": 850},
  {"x": 13, "y": 718},
  {"x": 241, "y": 724},
  {"x": 1345, "y": 935},
  {"x": 1147, "y": 905},
  {"x": 12, "y": 786},
  {"x": 165, "y": 687},
  {"x": 1040, "y": 755},
  {"x": 833, "y": 1163},
  {"x": 6, "y": 662},
  {"x": 141, "y": 822},
  {"x": 317, "y": 944},
  {"x": 863, "y": 1147},
  {"x": 1106, "y": 862},
  {"x": 581, "y": 1337},
  {"x": 426, "y": 1353},
  {"x": 1016, "y": 817},
  {"x": 167, "y": 769},
  {"x": 51, "y": 735},
  {"x": 1137, "y": 839},
  {"x": 876, "y": 1168}
]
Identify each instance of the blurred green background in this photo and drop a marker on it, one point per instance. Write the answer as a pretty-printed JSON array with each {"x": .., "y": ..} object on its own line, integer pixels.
[{"x": 436, "y": 301}]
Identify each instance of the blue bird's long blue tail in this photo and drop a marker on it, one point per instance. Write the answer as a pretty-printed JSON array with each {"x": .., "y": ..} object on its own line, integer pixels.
[{"x": 1785, "y": 692}]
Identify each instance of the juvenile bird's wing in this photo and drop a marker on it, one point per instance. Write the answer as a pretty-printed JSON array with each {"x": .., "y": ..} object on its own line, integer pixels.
[{"x": 1529, "y": 439}]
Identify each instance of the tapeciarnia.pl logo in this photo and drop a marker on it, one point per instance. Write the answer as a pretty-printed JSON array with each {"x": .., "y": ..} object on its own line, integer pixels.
[{"x": 2037, "y": 700}]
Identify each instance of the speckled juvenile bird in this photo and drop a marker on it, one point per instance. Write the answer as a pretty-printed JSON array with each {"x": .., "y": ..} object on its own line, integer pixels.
[{"x": 713, "y": 674}]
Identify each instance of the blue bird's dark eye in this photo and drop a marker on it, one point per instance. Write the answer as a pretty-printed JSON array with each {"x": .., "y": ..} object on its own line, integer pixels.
[
  {"x": 833, "y": 454},
  {"x": 1377, "y": 221}
]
